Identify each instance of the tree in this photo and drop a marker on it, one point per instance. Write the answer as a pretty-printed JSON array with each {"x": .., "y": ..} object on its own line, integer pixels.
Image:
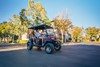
[
  {"x": 16, "y": 28},
  {"x": 62, "y": 23},
  {"x": 24, "y": 20},
  {"x": 23, "y": 17},
  {"x": 37, "y": 12},
  {"x": 76, "y": 33},
  {"x": 92, "y": 32},
  {"x": 4, "y": 30}
]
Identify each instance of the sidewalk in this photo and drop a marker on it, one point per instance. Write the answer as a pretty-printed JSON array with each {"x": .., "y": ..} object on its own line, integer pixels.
[
  {"x": 92, "y": 43},
  {"x": 10, "y": 47}
]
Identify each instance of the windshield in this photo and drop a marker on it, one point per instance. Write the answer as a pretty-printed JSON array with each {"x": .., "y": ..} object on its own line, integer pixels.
[{"x": 50, "y": 32}]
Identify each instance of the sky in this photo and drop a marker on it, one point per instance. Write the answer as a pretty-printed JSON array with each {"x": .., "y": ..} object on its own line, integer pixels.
[{"x": 82, "y": 13}]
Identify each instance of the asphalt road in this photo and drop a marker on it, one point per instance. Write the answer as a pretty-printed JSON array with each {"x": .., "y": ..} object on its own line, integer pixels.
[{"x": 69, "y": 56}]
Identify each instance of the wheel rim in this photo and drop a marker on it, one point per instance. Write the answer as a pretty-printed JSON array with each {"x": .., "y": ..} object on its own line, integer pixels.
[
  {"x": 28, "y": 47},
  {"x": 57, "y": 47},
  {"x": 48, "y": 49}
]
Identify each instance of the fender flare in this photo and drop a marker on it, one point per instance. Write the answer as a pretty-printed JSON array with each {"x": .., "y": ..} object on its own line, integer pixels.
[{"x": 48, "y": 41}]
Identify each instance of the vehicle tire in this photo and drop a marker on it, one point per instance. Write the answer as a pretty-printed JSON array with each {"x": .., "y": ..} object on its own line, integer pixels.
[
  {"x": 39, "y": 48},
  {"x": 58, "y": 47},
  {"x": 49, "y": 48},
  {"x": 29, "y": 46}
]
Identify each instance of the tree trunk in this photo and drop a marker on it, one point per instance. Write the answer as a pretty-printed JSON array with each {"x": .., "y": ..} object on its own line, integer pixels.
[
  {"x": 7, "y": 38},
  {"x": 4, "y": 38},
  {"x": 76, "y": 39},
  {"x": 19, "y": 38},
  {"x": 62, "y": 36},
  {"x": 13, "y": 38},
  {"x": 65, "y": 37},
  {"x": 0, "y": 39}
]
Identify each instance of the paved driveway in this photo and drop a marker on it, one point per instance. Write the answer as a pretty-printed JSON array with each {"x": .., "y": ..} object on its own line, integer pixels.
[{"x": 69, "y": 56}]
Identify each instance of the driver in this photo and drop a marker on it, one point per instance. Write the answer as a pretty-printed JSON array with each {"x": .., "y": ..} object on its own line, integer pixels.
[{"x": 40, "y": 34}]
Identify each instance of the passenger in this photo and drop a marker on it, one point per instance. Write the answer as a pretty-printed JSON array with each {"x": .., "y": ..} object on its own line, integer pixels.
[
  {"x": 31, "y": 36},
  {"x": 43, "y": 32},
  {"x": 37, "y": 34}
]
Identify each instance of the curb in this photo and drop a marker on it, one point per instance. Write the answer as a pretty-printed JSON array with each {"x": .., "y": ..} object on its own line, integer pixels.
[
  {"x": 11, "y": 49},
  {"x": 95, "y": 44}
]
